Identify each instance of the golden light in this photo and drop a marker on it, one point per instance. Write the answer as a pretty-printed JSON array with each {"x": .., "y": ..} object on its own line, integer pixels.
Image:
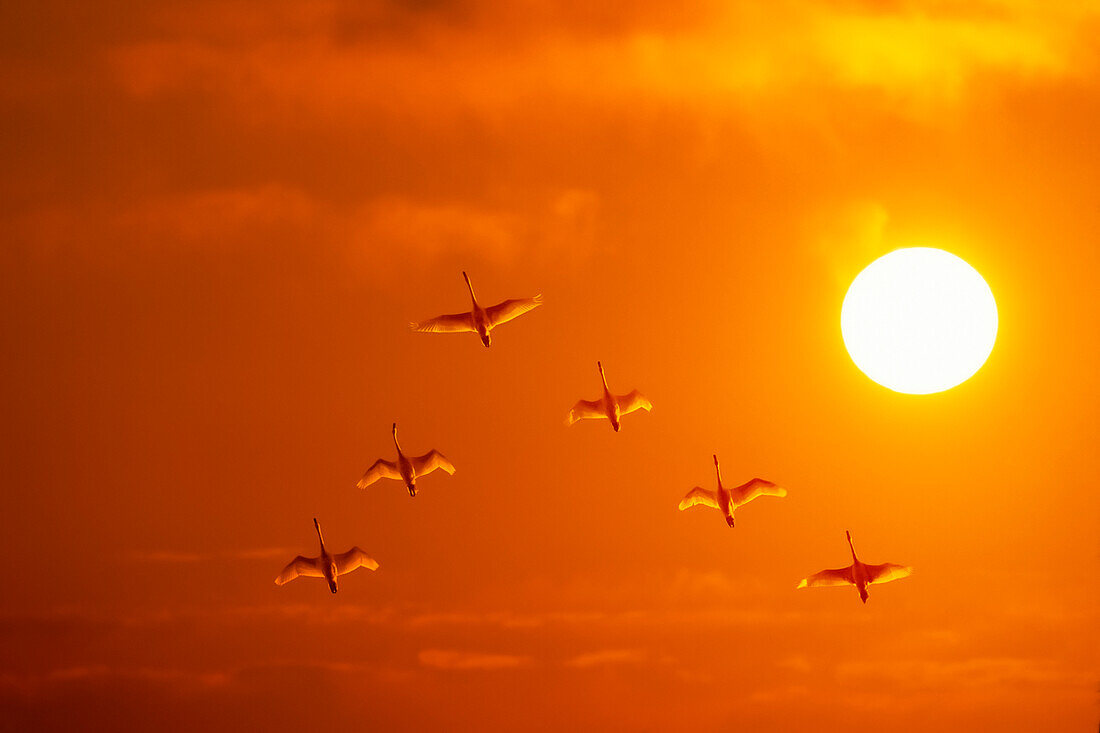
[{"x": 919, "y": 320}]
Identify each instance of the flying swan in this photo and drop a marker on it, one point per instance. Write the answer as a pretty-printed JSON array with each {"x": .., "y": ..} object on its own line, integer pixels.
[
  {"x": 858, "y": 574},
  {"x": 480, "y": 320},
  {"x": 611, "y": 407},
  {"x": 405, "y": 469},
  {"x": 326, "y": 566},
  {"x": 725, "y": 500}
]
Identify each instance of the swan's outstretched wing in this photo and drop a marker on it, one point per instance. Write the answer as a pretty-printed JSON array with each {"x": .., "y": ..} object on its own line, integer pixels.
[
  {"x": 456, "y": 323},
  {"x": 886, "y": 572},
  {"x": 431, "y": 461},
  {"x": 380, "y": 469},
  {"x": 509, "y": 309},
  {"x": 839, "y": 576},
  {"x": 699, "y": 495},
  {"x": 585, "y": 410},
  {"x": 634, "y": 401},
  {"x": 757, "y": 487},
  {"x": 354, "y": 559},
  {"x": 300, "y": 567}
]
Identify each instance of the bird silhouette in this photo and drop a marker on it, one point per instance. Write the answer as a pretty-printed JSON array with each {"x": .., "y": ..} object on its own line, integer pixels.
[
  {"x": 479, "y": 320},
  {"x": 610, "y": 407},
  {"x": 858, "y": 574},
  {"x": 326, "y": 566},
  {"x": 405, "y": 469},
  {"x": 726, "y": 501}
]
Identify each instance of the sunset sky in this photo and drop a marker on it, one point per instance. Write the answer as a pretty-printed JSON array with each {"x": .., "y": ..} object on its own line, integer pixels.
[{"x": 219, "y": 217}]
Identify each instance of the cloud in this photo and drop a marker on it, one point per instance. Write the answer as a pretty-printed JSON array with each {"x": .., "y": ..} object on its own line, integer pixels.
[
  {"x": 36, "y": 683},
  {"x": 168, "y": 556},
  {"x": 458, "y": 660},
  {"x": 987, "y": 672},
  {"x": 606, "y": 657},
  {"x": 262, "y": 553},
  {"x": 505, "y": 619},
  {"x": 693, "y": 584},
  {"x": 424, "y": 229},
  {"x": 379, "y": 234},
  {"x": 213, "y": 217},
  {"x": 439, "y": 68},
  {"x": 160, "y": 556},
  {"x": 795, "y": 663}
]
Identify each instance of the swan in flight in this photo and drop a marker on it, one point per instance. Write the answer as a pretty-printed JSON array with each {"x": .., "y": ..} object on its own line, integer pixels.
[
  {"x": 405, "y": 469},
  {"x": 858, "y": 574},
  {"x": 611, "y": 407},
  {"x": 479, "y": 320},
  {"x": 726, "y": 500},
  {"x": 326, "y": 566}
]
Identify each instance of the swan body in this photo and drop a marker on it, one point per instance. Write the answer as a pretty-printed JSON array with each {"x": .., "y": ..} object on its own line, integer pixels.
[
  {"x": 609, "y": 406},
  {"x": 326, "y": 566},
  {"x": 405, "y": 468},
  {"x": 727, "y": 500},
  {"x": 858, "y": 574},
  {"x": 479, "y": 320}
]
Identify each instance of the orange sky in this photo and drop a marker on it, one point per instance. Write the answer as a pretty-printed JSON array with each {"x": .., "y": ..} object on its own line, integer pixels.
[{"x": 218, "y": 218}]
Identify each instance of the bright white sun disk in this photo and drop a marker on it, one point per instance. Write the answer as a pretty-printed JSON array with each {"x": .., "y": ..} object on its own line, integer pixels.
[{"x": 919, "y": 320}]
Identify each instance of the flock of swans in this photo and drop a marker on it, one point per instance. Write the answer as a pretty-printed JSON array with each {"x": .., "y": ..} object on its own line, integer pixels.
[{"x": 610, "y": 407}]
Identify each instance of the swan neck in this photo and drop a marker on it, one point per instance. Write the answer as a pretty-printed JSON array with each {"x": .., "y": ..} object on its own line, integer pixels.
[
  {"x": 850, "y": 545},
  {"x": 470, "y": 287},
  {"x": 718, "y": 470},
  {"x": 398, "y": 445},
  {"x": 320, "y": 538},
  {"x": 603, "y": 377}
]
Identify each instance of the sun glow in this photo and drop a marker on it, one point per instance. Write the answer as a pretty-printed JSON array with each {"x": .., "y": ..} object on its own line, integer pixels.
[{"x": 919, "y": 320}]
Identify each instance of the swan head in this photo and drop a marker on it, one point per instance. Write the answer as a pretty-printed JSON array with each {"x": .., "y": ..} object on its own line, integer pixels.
[{"x": 412, "y": 489}]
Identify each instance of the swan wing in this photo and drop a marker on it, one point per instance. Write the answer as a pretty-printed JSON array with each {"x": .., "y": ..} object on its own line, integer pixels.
[
  {"x": 430, "y": 461},
  {"x": 699, "y": 495},
  {"x": 300, "y": 567},
  {"x": 634, "y": 401},
  {"x": 509, "y": 309},
  {"x": 757, "y": 487},
  {"x": 585, "y": 410},
  {"x": 354, "y": 559},
  {"x": 456, "y": 323},
  {"x": 886, "y": 572},
  {"x": 380, "y": 469},
  {"x": 839, "y": 576}
]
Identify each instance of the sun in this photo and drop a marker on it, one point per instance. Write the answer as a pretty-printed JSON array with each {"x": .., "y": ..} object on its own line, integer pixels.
[{"x": 919, "y": 320}]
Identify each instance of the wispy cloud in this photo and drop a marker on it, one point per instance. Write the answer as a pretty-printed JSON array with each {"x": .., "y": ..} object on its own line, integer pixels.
[
  {"x": 795, "y": 663},
  {"x": 460, "y": 660},
  {"x": 164, "y": 556},
  {"x": 606, "y": 657},
  {"x": 436, "y": 71},
  {"x": 170, "y": 556},
  {"x": 376, "y": 234},
  {"x": 988, "y": 672},
  {"x": 32, "y": 683}
]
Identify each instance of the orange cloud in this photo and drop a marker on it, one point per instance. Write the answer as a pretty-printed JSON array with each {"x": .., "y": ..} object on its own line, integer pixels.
[
  {"x": 607, "y": 656},
  {"x": 169, "y": 556},
  {"x": 494, "y": 63},
  {"x": 987, "y": 672},
  {"x": 456, "y": 660},
  {"x": 377, "y": 234}
]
